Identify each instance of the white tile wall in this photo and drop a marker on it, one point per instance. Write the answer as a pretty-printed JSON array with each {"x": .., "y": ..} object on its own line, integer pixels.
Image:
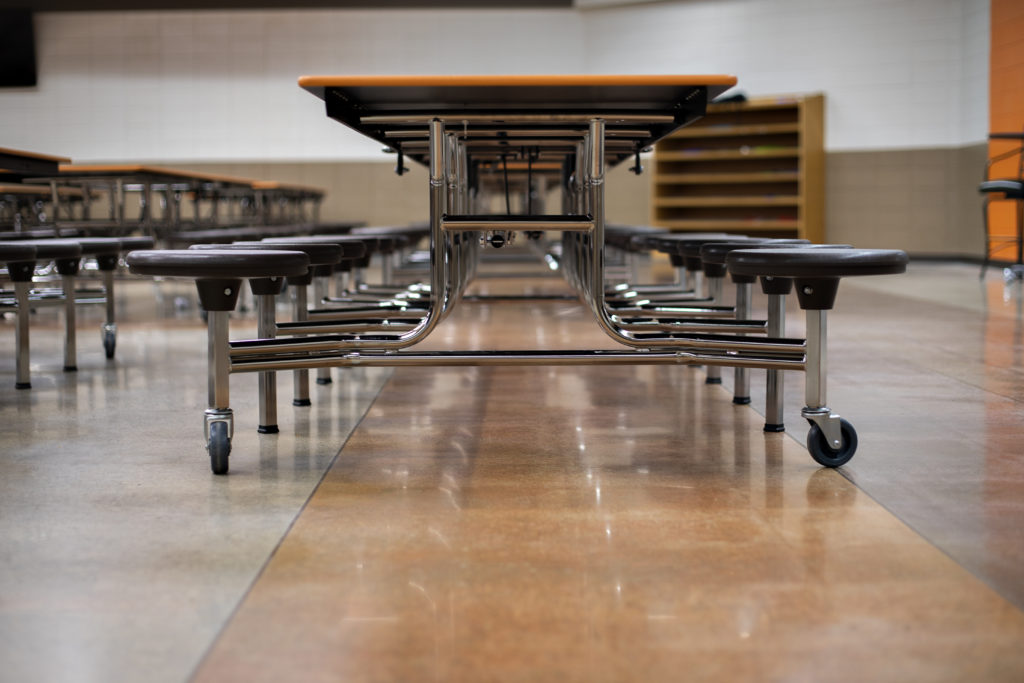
[
  {"x": 897, "y": 73},
  {"x": 221, "y": 86}
]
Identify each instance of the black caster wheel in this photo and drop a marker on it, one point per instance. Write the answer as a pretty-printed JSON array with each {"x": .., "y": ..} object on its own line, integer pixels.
[
  {"x": 823, "y": 453},
  {"x": 109, "y": 344},
  {"x": 219, "y": 447}
]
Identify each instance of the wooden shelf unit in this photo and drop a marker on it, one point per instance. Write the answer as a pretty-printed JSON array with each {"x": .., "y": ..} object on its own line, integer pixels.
[{"x": 754, "y": 167}]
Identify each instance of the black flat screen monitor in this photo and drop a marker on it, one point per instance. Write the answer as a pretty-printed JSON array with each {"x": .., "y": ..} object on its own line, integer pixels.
[{"x": 17, "y": 49}]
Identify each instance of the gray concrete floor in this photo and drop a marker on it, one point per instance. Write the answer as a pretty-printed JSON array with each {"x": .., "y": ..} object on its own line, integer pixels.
[{"x": 122, "y": 556}]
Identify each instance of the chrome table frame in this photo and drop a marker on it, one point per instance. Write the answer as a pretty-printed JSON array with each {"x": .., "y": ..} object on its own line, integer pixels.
[{"x": 451, "y": 142}]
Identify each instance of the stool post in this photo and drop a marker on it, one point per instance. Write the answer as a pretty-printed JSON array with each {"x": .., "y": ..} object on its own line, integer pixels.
[
  {"x": 301, "y": 377},
  {"x": 714, "y": 285},
  {"x": 21, "y": 291},
  {"x": 108, "y": 330},
  {"x": 773, "y": 421},
  {"x": 218, "y": 386},
  {"x": 108, "y": 294},
  {"x": 70, "y": 350},
  {"x": 218, "y": 420},
  {"x": 268, "y": 379},
  {"x": 323, "y": 375},
  {"x": 744, "y": 311},
  {"x": 595, "y": 177},
  {"x": 815, "y": 388},
  {"x": 320, "y": 287},
  {"x": 387, "y": 268}
]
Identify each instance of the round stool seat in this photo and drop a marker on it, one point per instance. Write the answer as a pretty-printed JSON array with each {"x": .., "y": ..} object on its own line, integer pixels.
[
  {"x": 673, "y": 243},
  {"x": 56, "y": 249},
  {"x": 828, "y": 262},
  {"x": 40, "y": 234},
  {"x": 319, "y": 254},
  {"x": 136, "y": 242},
  {"x": 13, "y": 252},
  {"x": 218, "y": 263},
  {"x": 815, "y": 272},
  {"x": 715, "y": 252},
  {"x": 98, "y": 246},
  {"x": 350, "y": 247}
]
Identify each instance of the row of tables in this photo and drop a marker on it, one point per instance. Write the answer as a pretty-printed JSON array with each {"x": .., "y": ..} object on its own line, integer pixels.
[{"x": 116, "y": 199}]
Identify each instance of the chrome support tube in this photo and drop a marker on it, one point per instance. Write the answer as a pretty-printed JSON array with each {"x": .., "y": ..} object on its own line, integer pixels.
[
  {"x": 514, "y": 224},
  {"x": 219, "y": 363},
  {"x": 505, "y": 117},
  {"x": 815, "y": 391},
  {"x": 734, "y": 347},
  {"x": 741, "y": 383},
  {"x": 738, "y": 327},
  {"x": 300, "y": 379},
  {"x": 491, "y": 358},
  {"x": 108, "y": 294},
  {"x": 671, "y": 313},
  {"x": 714, "y": 285},
  {"x": 370, "y": 311},
  {"x": 218, "y": 369},
  {"x": 23, "y": 379},
  {"x": 774, "y": 393},
  {"x": 119, "y": 202},
  {"x": 323, "y": 375},
  {"x": 817, "y": 359},
  {"x": 267, "y": 380},
  {"x": 382, "y": 326},
  {"x": 70, "y": 350}
]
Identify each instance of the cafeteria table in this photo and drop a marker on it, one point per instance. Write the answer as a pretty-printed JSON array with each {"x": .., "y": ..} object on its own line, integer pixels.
[{"x": 465, "y": 129}]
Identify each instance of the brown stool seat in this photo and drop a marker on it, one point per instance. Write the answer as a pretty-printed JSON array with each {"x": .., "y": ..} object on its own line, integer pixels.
[
  {"x": 14, "y": 252},
  {"x": 56, "y": 249},
  {"x": 136, "y": 242},
  {"x": 38, "y": 234},
  {"x": 96, "y": 246},
  {"x": 320, "y": 254},
  {"x": 349, "y": 246},
  {"x": 334, "y": 227},
  {"x": 715, "y": 252},
  {"x": 673, "y": 243},
  {"x": 816, "y": 272},
  {"x": 215, "y": 235},
  {"x": 832, "y": 262},
  {"x": 218, "y": 263},
  {"x": 631, "y": 237}
]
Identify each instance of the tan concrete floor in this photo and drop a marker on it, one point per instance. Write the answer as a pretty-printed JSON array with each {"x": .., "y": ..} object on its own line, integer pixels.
[{"x": 623, "y": 523}]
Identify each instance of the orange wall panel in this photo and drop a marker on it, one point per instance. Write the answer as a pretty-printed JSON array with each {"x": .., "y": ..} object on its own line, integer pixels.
[{"x": 1006, "y": 106}]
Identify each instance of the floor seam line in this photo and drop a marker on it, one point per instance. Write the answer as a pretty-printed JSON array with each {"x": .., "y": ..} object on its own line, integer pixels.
[{"x": 270, "y": 556}]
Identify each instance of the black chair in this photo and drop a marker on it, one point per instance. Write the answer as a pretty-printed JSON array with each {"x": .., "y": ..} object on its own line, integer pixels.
[{"x": 998, "y": 189}]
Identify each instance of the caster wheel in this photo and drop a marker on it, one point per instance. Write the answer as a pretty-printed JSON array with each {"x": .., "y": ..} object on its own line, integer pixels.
[
  {"x": 823, "y": 453},
  {"x": 219, "y": 447},
  {"x": 109, "y": 344}
]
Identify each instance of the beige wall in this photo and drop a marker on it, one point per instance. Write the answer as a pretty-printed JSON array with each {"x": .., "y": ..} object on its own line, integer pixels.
[{"x": 923, "y": 200}]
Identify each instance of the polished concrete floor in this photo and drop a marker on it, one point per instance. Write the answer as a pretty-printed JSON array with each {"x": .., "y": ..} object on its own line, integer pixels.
[{"x": 530, "y": 523}]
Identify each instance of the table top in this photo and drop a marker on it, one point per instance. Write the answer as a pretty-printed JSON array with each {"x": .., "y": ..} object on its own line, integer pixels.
[
  {"x": 146, "y": 172},
  {"x": 16, "y": 163},
  {"x": 287, "y": 187},
  {"x": 548, "y": 113}
]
